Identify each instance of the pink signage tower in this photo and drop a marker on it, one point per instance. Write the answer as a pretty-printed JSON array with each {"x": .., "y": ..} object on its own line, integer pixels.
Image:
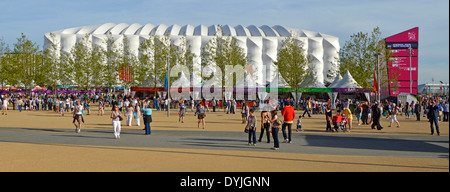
[{"x": 404, "y": 63}]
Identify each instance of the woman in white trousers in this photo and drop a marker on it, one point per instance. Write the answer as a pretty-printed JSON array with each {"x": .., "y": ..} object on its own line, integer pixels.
[
  {"x": 129, "y": 114},
  {"x": 116, "y": 122},
  {"x": 138, "y": 115}
]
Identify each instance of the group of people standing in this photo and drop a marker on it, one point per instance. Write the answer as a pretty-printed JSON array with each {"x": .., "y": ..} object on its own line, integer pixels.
[{"x": 270, "y": 123}]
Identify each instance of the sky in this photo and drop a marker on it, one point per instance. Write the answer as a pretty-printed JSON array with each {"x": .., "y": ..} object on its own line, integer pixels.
[{"x": 342, "y": 18}]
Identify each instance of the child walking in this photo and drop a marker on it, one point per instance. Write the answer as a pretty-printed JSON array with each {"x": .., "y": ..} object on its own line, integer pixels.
[{"x": 299, "y": 124}]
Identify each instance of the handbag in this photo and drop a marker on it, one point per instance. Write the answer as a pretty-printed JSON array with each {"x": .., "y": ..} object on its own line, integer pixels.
[
  {"x": 246, "y": 129},
  {"x": 120, "y": 118},
  {"x": 277, "y": 122}
]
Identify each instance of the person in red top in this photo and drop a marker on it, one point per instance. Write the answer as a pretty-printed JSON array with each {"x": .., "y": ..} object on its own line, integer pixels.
[{"x": 289, "y": 115}]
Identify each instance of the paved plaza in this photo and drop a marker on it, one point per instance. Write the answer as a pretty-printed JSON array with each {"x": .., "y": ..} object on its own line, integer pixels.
[{"x": 44, "y": 141}]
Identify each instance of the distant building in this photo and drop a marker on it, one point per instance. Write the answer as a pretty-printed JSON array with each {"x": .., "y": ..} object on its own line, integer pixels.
[
  {"x": 261, "y": 44},
  {"x": 433, "y": 88}
]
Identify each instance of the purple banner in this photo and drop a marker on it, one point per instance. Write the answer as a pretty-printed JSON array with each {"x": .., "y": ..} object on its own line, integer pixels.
[{"x": 351, "y": 90}]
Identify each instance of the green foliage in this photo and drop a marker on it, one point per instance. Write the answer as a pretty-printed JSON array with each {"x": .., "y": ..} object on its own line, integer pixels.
[
  {"x": 357, "y": 57},
  {"x": 26, "y": 61},
  {"x": 5, "y": 64},
  {"x": 293, "y": 62},
  {"x": 110, "y": 73},
  {"x": 222, "y": 51}
]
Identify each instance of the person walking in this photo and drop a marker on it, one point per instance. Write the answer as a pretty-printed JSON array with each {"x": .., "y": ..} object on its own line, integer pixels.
[
  {"x": 358, "y": 113},
  {"x": 265, "y": 125},
  {"x": 407, "y": 109},
  {"x": 115, "y": 116},
  {"x": 201, "y": 114},
  {"x": 213, "y": 102},
  {"x": 19, "y": 104},
  {"x": 289, "y": 115},
  {"x": 328, "y": 116},
  {"x": 77, "y": 116},
  {"x": 129, "y": 114},
  {"x": 393, "y": 117},
  {"x": 299, "y": 124},
  {"x": 101, "y": 107},
  {"x": 244, "y": 112},
  {"x": 417, "y": 110},
  {"x": 446, "y": 111},
  {"x": 182, "y": 112},
  {"x": 365, "y": 113},
  {"x": 346, "y": 111},
  {"x": 61, "y": 107},
  {"x": 376, "y": 114},
  {"x": 147, "y": 115},
  {"x": 307, "y": 108},
  {"x": 233, "y": 106},
  {"x": 5, "y": 106},
  {"x": 275, "y": 126},
  {"x": 433, "y": 115},
  {"x": 251, "y": 125},
  {"x": 138, "y": 114}
]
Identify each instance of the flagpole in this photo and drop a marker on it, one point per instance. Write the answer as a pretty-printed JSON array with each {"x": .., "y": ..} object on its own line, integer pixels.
[{"x": 168, "y": 85}]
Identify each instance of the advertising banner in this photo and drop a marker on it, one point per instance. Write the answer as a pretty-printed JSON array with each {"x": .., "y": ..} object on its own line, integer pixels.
[
  {"x": 402, "y": 63},
  {"x": 400, "y": 66}
]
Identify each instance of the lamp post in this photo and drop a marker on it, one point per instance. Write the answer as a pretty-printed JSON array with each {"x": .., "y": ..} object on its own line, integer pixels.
[
  {"x": 168, "y": 85},
  {"x": 410, "y": 52},
  {"x": 378, "y": 78}
]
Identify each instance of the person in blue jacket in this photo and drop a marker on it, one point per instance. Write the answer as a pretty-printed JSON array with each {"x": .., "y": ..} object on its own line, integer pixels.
[{"x": 147, "y": 115}]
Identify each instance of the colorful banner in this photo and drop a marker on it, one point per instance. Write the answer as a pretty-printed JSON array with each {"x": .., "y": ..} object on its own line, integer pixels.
[
  {"x": 315, "y": 90},
  {"x": 351, "y": 90},
  {"x": 403, "y": 65}
]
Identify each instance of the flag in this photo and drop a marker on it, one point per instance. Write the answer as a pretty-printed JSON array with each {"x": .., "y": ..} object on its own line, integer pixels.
[
  {"x": 375, "y": 83},
  {"x": 166, "y": 82}
]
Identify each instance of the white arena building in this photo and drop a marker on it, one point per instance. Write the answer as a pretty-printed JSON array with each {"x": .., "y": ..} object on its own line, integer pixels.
[{"x": 261, "y": 44}]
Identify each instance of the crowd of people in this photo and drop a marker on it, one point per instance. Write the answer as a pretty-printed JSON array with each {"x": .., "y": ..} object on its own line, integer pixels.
[{"x": 124, "y": 107}]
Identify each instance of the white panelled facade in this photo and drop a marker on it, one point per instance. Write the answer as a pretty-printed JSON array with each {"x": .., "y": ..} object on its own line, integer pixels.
[{"x": 260, "y": 44}]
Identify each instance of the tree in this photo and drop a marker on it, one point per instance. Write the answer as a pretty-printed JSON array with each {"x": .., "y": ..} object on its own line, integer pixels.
[
  {"x": 146, "y": 62},
  {"x": 26, "y": 61},
  {"x": 112, "y": 57},
  {"x": 53, "y": 64},
  {"x": 357, "y": 57},
  {"x": 80, "y": 63},
  {"x": 96, "y": 60},
  {"x": 85, "y": 64},
  {"x": 222, "y": 51},
  {"x": 128, "y": 63},
  {"x": 4, "y": 63},
  {"x": 293, "y": 63},
  {"x": 161, "y": 50}
]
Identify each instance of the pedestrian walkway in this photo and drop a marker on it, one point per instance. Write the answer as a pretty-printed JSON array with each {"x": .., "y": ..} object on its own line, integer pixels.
[{"x": 43, "y": 146}]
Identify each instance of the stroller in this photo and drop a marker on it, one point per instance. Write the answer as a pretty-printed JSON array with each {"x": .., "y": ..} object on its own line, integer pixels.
[{"x": 339, "y": 122}]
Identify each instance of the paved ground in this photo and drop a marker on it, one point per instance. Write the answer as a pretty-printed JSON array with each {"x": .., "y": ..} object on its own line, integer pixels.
[{"x": 43, "y": 141}]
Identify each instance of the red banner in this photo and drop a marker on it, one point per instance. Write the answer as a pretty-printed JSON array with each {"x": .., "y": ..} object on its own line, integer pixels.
[{"x": 126, "y": 74}]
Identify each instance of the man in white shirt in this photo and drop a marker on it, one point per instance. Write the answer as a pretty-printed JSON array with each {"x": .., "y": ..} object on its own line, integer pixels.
[
  {"x": 126, "y": 103},
  {"x": 78, "y": 116},
  {"x": 166, "y": 103}
]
